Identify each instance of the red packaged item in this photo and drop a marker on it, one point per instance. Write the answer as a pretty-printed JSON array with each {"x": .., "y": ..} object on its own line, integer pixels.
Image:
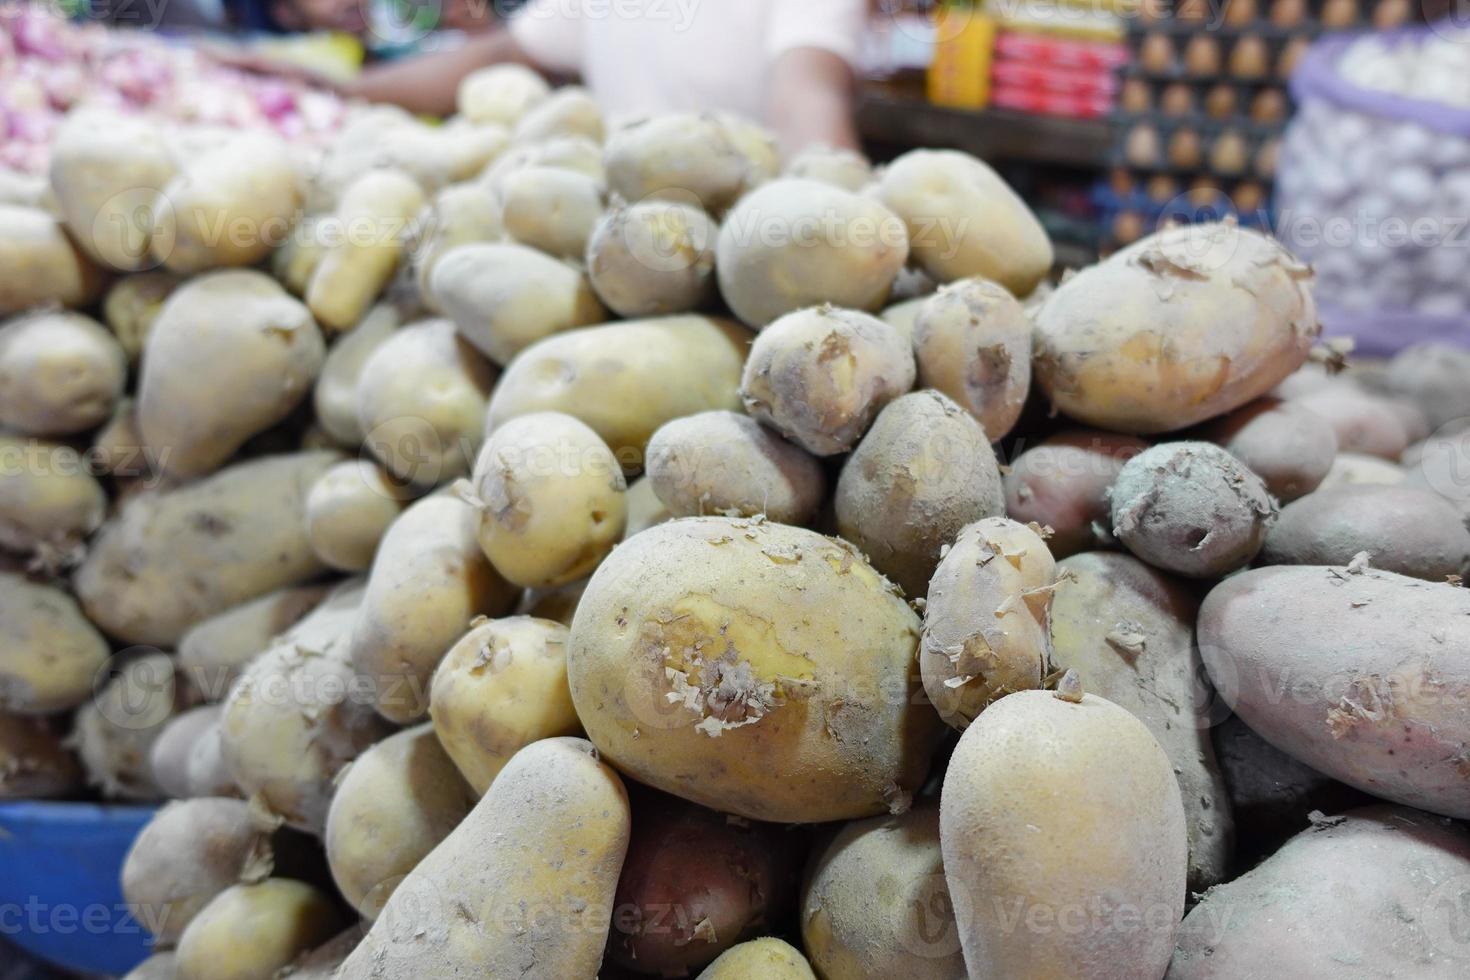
[
  {"x": 1059, "y": 52},
  {"x": 1049, "y": 103},
  {"x": 1080, "y": 82}
]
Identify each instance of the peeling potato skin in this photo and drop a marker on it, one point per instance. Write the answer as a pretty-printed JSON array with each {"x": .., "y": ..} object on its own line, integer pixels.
[
  {"x": 972, "y": 341},
  {"x": 1063, "y": 484},
  {"x": 60, "y": 373},
  {"x": 1356, "y": 673},
  {"x": 820, "y": 376},
  {"x": 1353, "y": 895},
  {"x": 728, "y": 463},
  {"x": 523, "y": 887},
  {"x": 250, "y": 932},
  {"x": 985, "y": 621},
  {"x": 1177, "y": 328},
  {"x": 768, "y": 958},
  {"x": 1191, "y": 508},
  {"x": 922, "y": 473},
  {"x": 1047, "y": 804},
  {"x": 1290, "y": 447},
  {"x": 1128, "y": 631},
  {"x": 51, "y": 654},
  {"x": 34, "y": 765},
  {"x": 786, "y": 651}
]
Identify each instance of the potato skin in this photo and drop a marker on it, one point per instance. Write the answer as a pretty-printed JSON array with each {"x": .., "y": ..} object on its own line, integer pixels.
[
  {"x": 568, "y": 111},
  {"x": 60, "y": 373},
  {"x": 460, "y": 214},
  {"x": 923, "y": 471},
  {"x": 727, "y": 463},
  {"x": 51, "y": 654},
  {"x": 334, "y": 396},
  {"x": 972, "y": 341},
  {"x": 985, "y": 619},
  {"x": 875, "y": 903},
  {"x": 1357, "y": 468},
  {"x": 1128, "y": 632},
  {"x": 348, "y": 510},
  {"x": 1063, "y": 484},
  {"x": 1362, "y": 421},
  {"x": 551, "y": 209},
  {"x": 768, "y": 958},
  {"x": 1047, "y": 804},
  {"x": 1337, "y": 883},
  {"x": 497, "y": 690},
  {"x": 1432, "y": 376},
  {"x": 252, "y": 931},
  {"x": 34, "y": 764},
  {"x": 536, "y": 864},
  {"x": 692, "y": 157},
  {"x": 1342, "y": 669},
  {"x": 39, "y": 264},
  {"x": 49, "y": 501},
  {"x": 843, "y": 168},
  {"x": 671, "y": 612},
  {"x": 792, "y": 383},
  {"x": 168, "y": 760},
  {"x": 212, "y": 652},
  {"x": 1290, "y": 447},
  {"x": 653, "y": 258},
  {"x": 131, "y": 306},
  {"x": 1179, "y": 327}
]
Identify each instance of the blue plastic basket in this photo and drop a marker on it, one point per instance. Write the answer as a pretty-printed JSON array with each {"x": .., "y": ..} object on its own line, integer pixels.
[{"x": 60, "y": 897}]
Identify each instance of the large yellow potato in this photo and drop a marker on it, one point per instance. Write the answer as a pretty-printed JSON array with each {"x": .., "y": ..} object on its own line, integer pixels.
[
  {"x": 754, "y": 668},
  {"x": 972, "y": 341},
  {"x": 347, "y": 512},
  {"x": 253, "y": 931},
  {"x": 49, "y": 501},
  {"x": 652, "y": 258},
  {"x": 40, "y": 264},
  {"x": 51, "y": 654},
  {"x": 212, "y": 652},
  {"x": 500, "y": 94},
  {"x": 60, "y": 373},
  {"x": 335, "y": 396},
  {"x": 368, "y": 230},
  {"x": 696, "y": 158},
  {"x": 551, "y": 209}
]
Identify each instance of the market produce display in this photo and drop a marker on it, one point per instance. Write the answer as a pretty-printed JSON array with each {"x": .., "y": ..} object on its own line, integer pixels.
[{"x": 860, "y": 605}]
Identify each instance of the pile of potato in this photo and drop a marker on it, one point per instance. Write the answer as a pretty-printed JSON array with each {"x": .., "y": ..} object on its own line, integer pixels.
[{"x": 858, "y": 606}]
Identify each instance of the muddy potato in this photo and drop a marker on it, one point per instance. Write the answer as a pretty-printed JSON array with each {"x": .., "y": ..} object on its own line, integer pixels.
[
  {"x": 115, "y": 730},
  {"x": 551, "y": 209},
  {"x": 34, "y": 764},
  {"x": 367, "y": 240},
  {"x": 1345, "y": 670},
  {"x": 40, "y": 264},
  {"x": 1128, "y": 632},
  {"x": 238, "y": 336},
  {"x": 503, "y": 297},
  {"x": 168, "y": 759},
  {"x": 682, "y": 686},
  {"x": 334, "y": 398},
  {"x": 131, "y": 306},
  {"x": 500, "y": 94},
  {"x": 694, "y": 158},
  {"x": 348, "y": 510},
  {"x": 461, "y": 214},
  {"x": 843, "y": 168},
  {"x": 252, "y": 931},
  {"x": 1048, "y": 803},
  {"x": 964, "y": 220},
  {"x": 791, "y": 244},
  {"x": 568, "y": 111},
  {"x": 727, "y": 463},
  {"x": 213, "y": 651},
  {"x": 49, "y": 502},
  {"x": 420, "y": 400},
  {"x": 51, "y": 654},
  {"x": 1063, "y": 484},
  {"x": 768, "y": 958},
  {"x": 60, "y": 373},
  {"x": 652, "y": 258},
  {"x": 428, "y": 581},
  {"x": 393, "y": 805},
  {"x": 923, "y": 471},
  {"x": 985, "y": 621},
  {"x": 972, "y": 341},
  {"x": 523, "y": 887},
  {"x": 790, "y": 383},
  {"x": 875, "y": 903},
  {"x": 1191, "y": 508},
  {"x": 626, "y": 379},
  {"x": 1180, "y": 327},
  {"x": 1290, "y": 447},
  {"x": 502, "y": 686}
]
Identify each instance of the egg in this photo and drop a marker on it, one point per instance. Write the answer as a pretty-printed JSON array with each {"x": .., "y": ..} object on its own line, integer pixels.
[
  {"x": 1120, "y": 182},
  {"x": 1162, "y": 188},
  {"x": 1177, "y": 100},
  {"x": 1202, "y": 56},
  {"x": 1287, "y": 14},
  {"x": 1269, "y": 106},
  {"x": 1338, "y": 14},
  {"x": 1390, "y": 13},
  {"x": 1193, "y": 11},
  {"x": 1239, "y": 13},
  {"x": 1142, "y": 145},
  {"x": 1228, "y": 154},
  {"x": 1249, "y": 58},
  {"x": 1127, "y": 227},
  {"x": 1204, "y": 194},
  {"x": 1220, "y": 101},
  {"x": 1290, "y": 55},
  {"x": 1412, "y": 187},
  {"x": 1157, "y": 54},
  {"x": 1185, "y": 151},
  {"x": 1249, "y": 197},
  {"x": 1135, "y": 96},
  {"x": 1265, "y": 165}
]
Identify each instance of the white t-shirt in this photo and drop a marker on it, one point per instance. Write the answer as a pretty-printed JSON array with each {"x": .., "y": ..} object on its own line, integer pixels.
[{"x": 642, "y": 56}]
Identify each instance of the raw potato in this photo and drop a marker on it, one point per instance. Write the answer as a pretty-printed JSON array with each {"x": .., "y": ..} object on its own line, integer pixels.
[
  {"x": 876, "y": 903},
  {"x": 1128, "y": 631},
  {"x": 791, "y": 244},
  {"x": 1063, "y": 484},
  {"x": 903, "y": 315},
  {"x": 462, "y": 214},
  {"x": 1290, "y": 447},
  {"x": 693, "y": 158},
  {"x": 500, "y": 94},
  {"x": 500, "y": 688},
  {"x": 205, "y": 770},
  {"x": 972, "y": 341},
  {"x": 1375, "y": 890},
  {"x": 644, "y": 508},
  {"x": 1356, "y": 468},
  {"x": 384, "y": 139},
  {"x": 252, "y": 931},
  {"x": 1345, "y": 669},
  {"x": 393, "y": 805},
  {"x": 1432, "y": 376},
  {"x": 523, "y": 887},
  {"x": 985, "y": 621},
  {"x": 550, "y": 499},
  {"x": 551, "y": 209},
  {"x": 626, "y": 379},
  {"x": 568, "y": 152},
  {"x": 49, "y": 502},
  {"x": 557, "y": 605},
  {"x": 168, "y": 760},
  {"x": 1405, "y": 529},
  {"x": 347, "y": 512},
  {"x": 51, "y": 654},
  {"x": 756, "y": 143},
  {"x": 131, "y": 306},
  {"x": 40, "y": 265},
  {"x": 768, "y": 958},
  {"x": 707, "y": 647},
  {"x": 568, "y": 111},
  {"x": 34, "y": 765},
  {"x": 171, "y": 559},
  {"x": 335, "y": 395},
  {"x": 243, "y": 342},
  {"x": 727, "y": 463},
  {"x": 115, "y": 730},
  {"x": 653, "y": 257},
  {"x": 213, "y": 651},
  {"x": 159, "y": 966},
  {"x": 60, "y": 373},
  {"x": 421, "y": 402},
  {"x": 1180, "y": 327},
  {"x": 367, "y": 241},
  {"x": 428, "y": 581},
  {"x": 843, "y": 168},
  {"x": 924, "y": 471},
  {"x": 820, "y": 376},
  {"x": 1363, "y": 422},
  {"x": 503, "y": 297},
  {"x": 1049, "y": 804},
  {"x": 117, "y": 447},
  {"x": 323, "y": 962},
  {"x": 964, "y": 220},
  {"x": 1191, "y": 508},
  {"x": 186, "y": 855}
]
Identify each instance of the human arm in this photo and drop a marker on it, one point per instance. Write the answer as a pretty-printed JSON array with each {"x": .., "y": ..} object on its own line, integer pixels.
[
  {"x": 812, "y": 100},
  {"x": 427, "y": 83}
]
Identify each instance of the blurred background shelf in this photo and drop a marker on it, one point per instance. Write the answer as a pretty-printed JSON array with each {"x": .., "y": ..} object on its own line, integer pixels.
[{"x": 992, "y": 134}]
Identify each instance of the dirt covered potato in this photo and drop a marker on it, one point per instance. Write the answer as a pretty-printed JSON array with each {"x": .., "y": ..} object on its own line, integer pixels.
[
  {"x": 706, "y": 647},
  {"x": 791, "y": 244},
  {"x": 40, "y": 264},
  {"x": 34, "y": 764},
  {"x": 115, "y": 730},
  {"x": 212, "y": 652},
  {"x": 461, "y": 214},
  {"x": 49, "y": 501},
  {"x": 252, "y": 931},
  {"x": 972, "y": 341},
  {"x": 727, "y": 463},
  {"x": 131, "y": 306},
  {"x": 500, "y": 94},
  {"x": 790, "y": 382},
  {"x": 652, "y": 258},
  {"x": 1290, "y": 447},
  {"x": 922, "y": 472},
  {"x": 1063, "y": 482},
  {"x": 985, "y": 620},
  {"x": 60, "y": 373},
  {"x": 497, "y": 690},
  {"x": 551, "y": 209},
  {"x": 366, "y": 241},
  {"x": 51, "y": 654},
  {"x": 695, "y": 158},
  {"x": 348, "y": 510},
  {"x": 1180, "y": 327},
  {"x": 768, "y": 957}
]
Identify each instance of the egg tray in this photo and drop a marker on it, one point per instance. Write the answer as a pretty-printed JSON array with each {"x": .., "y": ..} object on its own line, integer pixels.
[
  {"x": 1130, "y": 190},
  {"x": 1254, "y": 138},
  {"x": 1257, "y": 55},
  {"x": 1266, "y": 16},
  {"x": 1234, "y": 103}
]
